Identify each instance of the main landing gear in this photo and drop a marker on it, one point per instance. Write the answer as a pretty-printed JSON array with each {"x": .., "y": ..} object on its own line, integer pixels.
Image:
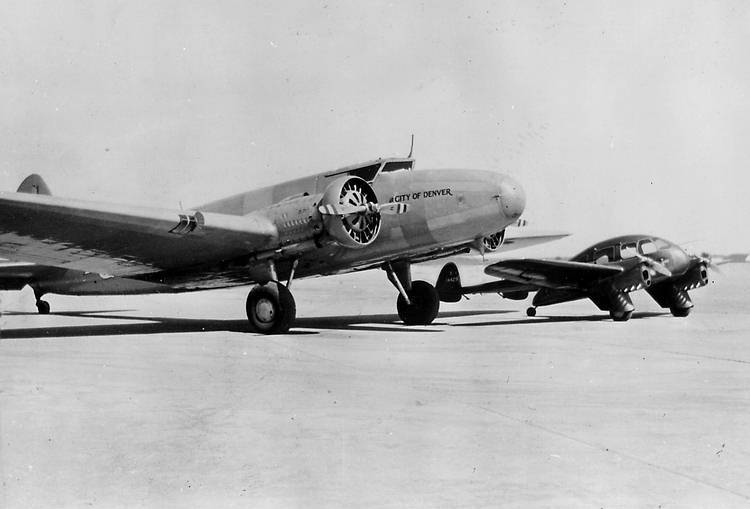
[
  {"x": 680, "y": 312},
  {"x": 270, "y": 308},
  {"x": 418, "y": 302},
  {"x": 620, "y": 316}
]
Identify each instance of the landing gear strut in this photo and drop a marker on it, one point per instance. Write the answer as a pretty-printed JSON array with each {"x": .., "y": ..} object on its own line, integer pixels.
[
  {"x": 270, "y": 308},
  {"x": 418, "y": 302}
]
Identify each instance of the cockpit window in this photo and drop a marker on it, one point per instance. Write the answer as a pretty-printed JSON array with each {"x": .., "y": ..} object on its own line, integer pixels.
[
  {"x": 628, "y": 250},
  {"x": 661, "y": 243},
  {"x": 397, "y": 165},
  {"x": 605, "y": 254},
  {"x": 646, "y": 247},
  {"x": 367, "y": 173}
]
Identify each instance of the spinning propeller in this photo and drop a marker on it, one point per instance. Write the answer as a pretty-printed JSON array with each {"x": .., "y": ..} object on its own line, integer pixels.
[{"x": 655, "y": 266}]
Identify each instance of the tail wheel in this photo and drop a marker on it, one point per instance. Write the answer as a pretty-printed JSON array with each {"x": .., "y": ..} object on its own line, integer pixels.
[
  {"x": 270, "y": 308},
  {"x": 531, "y": 311},
  {"x": 424, "y": 305},
  {"x": 620, "y": 316},
  {"x": 43, "y": 307},
  {"x": 680, "y": 312}
]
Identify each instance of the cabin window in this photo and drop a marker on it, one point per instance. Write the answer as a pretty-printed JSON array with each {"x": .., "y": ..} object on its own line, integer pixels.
[
  {"x": 661, "y": 244},
  {"x": 604, "y": 255},
  {"x": 397, "y": 165},
  {"x": 367, "y": 173},
  {"x": 647, "y": 247},
  {"x": 628, "y": 250}
]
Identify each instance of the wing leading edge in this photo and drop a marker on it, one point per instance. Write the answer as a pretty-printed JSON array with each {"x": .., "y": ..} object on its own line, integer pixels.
[
  {"x": 122, "y": 240},
  {"x": 552, "y": 273}
]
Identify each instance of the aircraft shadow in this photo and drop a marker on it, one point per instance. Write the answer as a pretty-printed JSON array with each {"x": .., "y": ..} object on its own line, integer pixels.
[
  {"x": 557, "y": 319},
  {"x": 164, "y": 325}
]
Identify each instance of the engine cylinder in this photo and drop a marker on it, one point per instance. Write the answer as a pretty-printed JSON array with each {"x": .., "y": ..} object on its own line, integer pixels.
[{"x": 354, "y": 230}]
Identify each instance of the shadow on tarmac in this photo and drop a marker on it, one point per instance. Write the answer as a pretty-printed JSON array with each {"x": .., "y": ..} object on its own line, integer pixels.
[
  {"x": 164, "y": 325},
  {"x": 554, "y": 319},
  {"x": 377, "y": 323}
]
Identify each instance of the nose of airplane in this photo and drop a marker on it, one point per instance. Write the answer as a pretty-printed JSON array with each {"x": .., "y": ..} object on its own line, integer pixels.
[{"x": 512, "y": 197}]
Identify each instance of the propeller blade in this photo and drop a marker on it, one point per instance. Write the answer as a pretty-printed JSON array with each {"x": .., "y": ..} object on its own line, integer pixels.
[
  {"x": 345, "y": 210},
  {"x": 331, "y": 209},
  {"x": 393, "y": 208},
  {"x": 710, "y": 264}
]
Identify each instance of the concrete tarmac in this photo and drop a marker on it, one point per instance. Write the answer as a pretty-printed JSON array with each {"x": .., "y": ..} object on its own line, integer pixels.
[{"x": 166, "y": 401}]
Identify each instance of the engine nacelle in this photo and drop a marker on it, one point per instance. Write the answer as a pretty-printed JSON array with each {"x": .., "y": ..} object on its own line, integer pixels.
[
  {"x": 634, "y": 279},
  {"x": 515, "y": 295},
  {"x": 490, "y": 243},
  {"x": 693, "y": 278},
  {"x": 350, "y": 230}
]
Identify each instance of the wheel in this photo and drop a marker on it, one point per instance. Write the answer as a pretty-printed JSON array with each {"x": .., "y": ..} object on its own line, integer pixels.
[
  {"x": 424, "y": 306},
  {"x": 43, "y": 307},
  {"x": 680, "y": 312},
  {"x": 531, "y": 311},
  {"x": 620, "y": 316},
  {"x": 270, "y": 308}
]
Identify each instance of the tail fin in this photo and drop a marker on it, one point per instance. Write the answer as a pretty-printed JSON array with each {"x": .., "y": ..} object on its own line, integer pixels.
[
  {"x": 33, "y": 184},
  {"x": 448, "y": 283}
]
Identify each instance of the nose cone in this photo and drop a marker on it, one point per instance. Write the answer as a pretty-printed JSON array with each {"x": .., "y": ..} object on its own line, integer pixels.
[{"x": 512, "y": 198}]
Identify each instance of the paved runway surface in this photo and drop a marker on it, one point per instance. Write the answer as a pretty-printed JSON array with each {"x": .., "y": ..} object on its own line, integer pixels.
[{"x": 165, "y": 401}]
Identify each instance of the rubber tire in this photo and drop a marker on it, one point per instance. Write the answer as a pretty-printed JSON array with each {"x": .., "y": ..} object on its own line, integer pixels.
[
  {"x": 531, "y": 311},
  {"x": 680, "y": 312},
  {"x": 424, "y": 307},
  {"x": 282, "y": 310},
  {"x": 43, "y": 307},
  {"x": 624, "y": 317}
]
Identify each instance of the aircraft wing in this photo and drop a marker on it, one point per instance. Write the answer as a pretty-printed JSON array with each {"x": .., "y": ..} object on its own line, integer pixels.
[
  {"x": 14, "y": 276},
  {"x": 121, "y": 240},
  {"x": 519, "y": 237},
  {"x": 504, "y": 286},
  {"x": 551, "y": 273}
]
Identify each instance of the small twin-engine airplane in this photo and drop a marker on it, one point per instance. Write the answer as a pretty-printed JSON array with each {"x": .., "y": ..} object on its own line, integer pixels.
[
  {"x": 605, "y": 273},
  {"x": 379, "y": 214}
]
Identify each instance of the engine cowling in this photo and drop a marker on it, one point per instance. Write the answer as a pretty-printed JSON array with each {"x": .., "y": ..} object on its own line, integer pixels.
[
  {"x": 634, "y": 279},
  {"x": 490, "y": 243},
  {"x": 352, "y": 230},
  {"x": 693, "y": 278}
]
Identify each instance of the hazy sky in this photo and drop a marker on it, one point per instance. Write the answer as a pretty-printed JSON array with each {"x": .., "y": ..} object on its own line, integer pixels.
[{"x": 617, "y": 117}]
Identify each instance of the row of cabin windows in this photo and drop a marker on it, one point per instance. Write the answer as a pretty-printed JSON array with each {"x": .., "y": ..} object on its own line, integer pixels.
[{"x": 614, "y": 253}]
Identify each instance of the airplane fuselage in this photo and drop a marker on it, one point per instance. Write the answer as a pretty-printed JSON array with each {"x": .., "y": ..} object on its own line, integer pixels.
[{"x": 447, "y": 210}]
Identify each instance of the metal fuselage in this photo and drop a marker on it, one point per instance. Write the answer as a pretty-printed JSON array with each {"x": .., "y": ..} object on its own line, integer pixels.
[{"x": 447, "y": 209}]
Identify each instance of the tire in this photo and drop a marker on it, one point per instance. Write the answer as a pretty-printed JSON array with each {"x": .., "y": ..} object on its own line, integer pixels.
[
  {"x": 424, "y": 307},
  {"x": 680, "y": 312},
  {"x": 621, "y": 316},
  {"x": 43, "y": 307},
  {"x": 531, "y": 311},
  {"x": 270, "y": 309}
]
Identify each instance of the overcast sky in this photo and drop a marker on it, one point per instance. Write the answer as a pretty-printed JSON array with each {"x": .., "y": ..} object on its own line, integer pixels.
[{"x": 616, "y": 117}]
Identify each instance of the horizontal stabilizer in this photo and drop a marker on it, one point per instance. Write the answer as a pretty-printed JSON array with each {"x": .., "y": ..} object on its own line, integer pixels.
[{"x": 33, "y": 184}]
